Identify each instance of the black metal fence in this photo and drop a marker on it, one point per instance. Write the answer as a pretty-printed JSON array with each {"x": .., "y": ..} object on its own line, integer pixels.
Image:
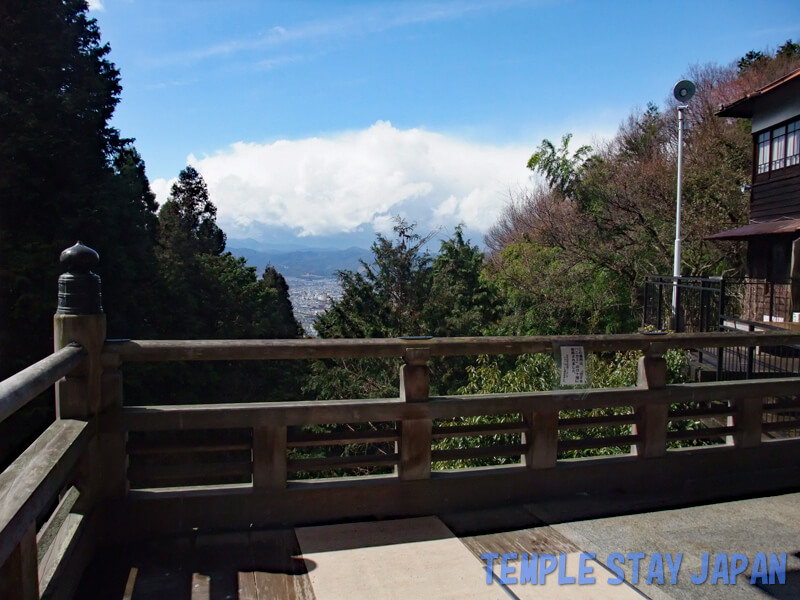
[
  {"x": 697, "y": 304},
  {"x": 685, "y": 304}
]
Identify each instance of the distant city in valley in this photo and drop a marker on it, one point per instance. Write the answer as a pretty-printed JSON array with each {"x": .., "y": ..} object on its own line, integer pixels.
[
  {"x": 310, "y": 273},
  {"x": 311, "y": 296}
]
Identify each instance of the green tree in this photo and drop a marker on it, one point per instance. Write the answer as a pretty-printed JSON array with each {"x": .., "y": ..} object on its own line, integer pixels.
[
  {"x": 189, "y": 218},
  {"x": 561, "y": 168},
  {"x": 58, "y": 91},
  {"x": 404, "y": 292},
  {"x": 207, "y": 293}
]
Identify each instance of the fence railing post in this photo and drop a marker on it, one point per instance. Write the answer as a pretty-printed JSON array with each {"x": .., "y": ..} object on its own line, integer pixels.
[
  {"x": 415, "y": 434},
  {"x": 80, "y": 318},
  {"x": 269, "y": 457},
  {"x": 651, "y": 419},
  {"x": 747, "y": 417},
  {"x": 541, "y": 439},
  {"x": 112, "y": 440}
]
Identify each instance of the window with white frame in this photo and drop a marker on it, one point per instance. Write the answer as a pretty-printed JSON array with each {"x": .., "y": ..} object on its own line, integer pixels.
[
  {"x": 778, "y": 148},
  {"x": 793, "y": 144},
  {"x": 763, "y": 152}
]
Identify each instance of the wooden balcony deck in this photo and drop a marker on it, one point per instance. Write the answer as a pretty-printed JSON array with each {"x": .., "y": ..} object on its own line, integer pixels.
[{"x": 440, "y": 557}]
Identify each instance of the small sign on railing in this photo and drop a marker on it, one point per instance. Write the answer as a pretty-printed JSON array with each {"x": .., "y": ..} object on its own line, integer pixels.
[{"x": 573, "y": 365}]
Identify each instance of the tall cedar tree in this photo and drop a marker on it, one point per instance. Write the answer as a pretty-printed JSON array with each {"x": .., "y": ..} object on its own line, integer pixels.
[
  {"x": 210, "y": 294},
  {"x": 65, "y": 175}
]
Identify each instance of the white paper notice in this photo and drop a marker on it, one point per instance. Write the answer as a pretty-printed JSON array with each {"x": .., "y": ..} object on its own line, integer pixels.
[{"x": 573, "y": 365}]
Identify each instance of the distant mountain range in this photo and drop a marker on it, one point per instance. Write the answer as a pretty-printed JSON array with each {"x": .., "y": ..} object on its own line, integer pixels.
[{"x": 315, "y": 262}]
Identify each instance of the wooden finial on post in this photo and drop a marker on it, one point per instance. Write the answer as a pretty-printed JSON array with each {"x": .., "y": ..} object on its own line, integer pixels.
[
  {"x": 80, "y": 319},
  {"x": 79, "y": 288}
]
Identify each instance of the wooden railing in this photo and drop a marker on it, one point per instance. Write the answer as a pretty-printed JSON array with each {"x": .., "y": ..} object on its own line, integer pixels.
[
  {"x": 243, "y": 452},
  {"x": 31, "y": 485}
]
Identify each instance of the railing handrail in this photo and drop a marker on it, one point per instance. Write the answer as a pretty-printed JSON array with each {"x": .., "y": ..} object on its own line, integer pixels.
[
  {"x": 34, "y": 479},
  {"x": 314, "y": 412},
  {"x": 21, "y": 388},
  {"x": 285, "y": 349}
]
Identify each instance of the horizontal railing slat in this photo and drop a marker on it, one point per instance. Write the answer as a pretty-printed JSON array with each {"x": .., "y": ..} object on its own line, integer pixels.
[
  {"x": 152, "y": 473},
  {"x": 448, "y": 431},
  {"x": 21, "y": 388},
  {"x": 34, "y": 479},
  {"x": 688, "y": 413},
  {"x": 201, "y": 350},
  {"x": 300, "y": 440},
  {"x": 329, "y": 463},
  {"x": 217, "y": 416},
  {"x": 599, "y": 421},
  {"x": 144, "y": 447},
  {"x": 481, "y": 452},
  {"x": 696, "y": 434},
  {"x": 602, "y": 442},
  {"x": 780, "y": 425}
]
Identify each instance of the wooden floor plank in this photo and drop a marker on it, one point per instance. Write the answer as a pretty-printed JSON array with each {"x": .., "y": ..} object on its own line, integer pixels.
[
  {"x": 542, "y": 540},
  {"x": 129, "y": 585},
  {"x": 159, "y": 583},
  {"x": 201, "y": 587},
  {"x": 247, "y": 586}
]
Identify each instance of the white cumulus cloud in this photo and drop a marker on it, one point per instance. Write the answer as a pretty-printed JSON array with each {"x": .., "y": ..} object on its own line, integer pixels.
[
  {"x": 344, "y": 182},
  {"x": 96, "y": 5}
]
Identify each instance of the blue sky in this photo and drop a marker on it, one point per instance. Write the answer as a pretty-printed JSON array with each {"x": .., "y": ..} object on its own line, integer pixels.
[{"x": 315, "y": 122}]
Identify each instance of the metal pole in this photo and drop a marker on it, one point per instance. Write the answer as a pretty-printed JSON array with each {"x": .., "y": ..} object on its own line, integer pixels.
[{"x": 676, "y": 266}]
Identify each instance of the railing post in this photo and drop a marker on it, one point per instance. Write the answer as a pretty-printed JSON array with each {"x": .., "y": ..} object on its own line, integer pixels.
[
  {"x": 541, "y": 439},
  {"x": 415, "y": 434},
  {"x": 19, "y": 576},
  {"x": 747, "y": 418},
  {"x": 79, "y": 318},
  {"x": 269, "y": 457},
  {"x": 112, "y": 439},
  {"x": 651, "y": 424},
  {"x": 751, "y": 353}
]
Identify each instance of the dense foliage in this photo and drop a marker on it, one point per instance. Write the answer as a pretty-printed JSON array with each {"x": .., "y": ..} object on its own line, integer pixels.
[{"x": 404, "y": 292}]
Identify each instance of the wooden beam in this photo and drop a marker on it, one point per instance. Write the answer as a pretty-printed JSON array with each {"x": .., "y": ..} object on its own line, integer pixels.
[
  {"x": 747, "y": 421},
  {"x": 541, "y": 439},
  {"x": 57, "y": 557},
  {"x": 650, "y": 428},
  {"x": 330, "y": 463},
  {"x": 193, "y": 350},
  {"x": 414, "y": 446},
  {"x": 499, "y": 450},
  {"x": 226, "y": 416},
  {"x": 340, "y": 438},
  {"x": 269, "y": 457},
  {"x": 700, "y": 474},
  {"x": 32, "y": 481},
  {"x": 19, "y": 389}
]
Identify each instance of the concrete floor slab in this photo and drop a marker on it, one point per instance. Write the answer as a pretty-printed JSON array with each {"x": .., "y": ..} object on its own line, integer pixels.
[
  {"x": 767, "y": 525},
  {"x": 399, "y": 559}
]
